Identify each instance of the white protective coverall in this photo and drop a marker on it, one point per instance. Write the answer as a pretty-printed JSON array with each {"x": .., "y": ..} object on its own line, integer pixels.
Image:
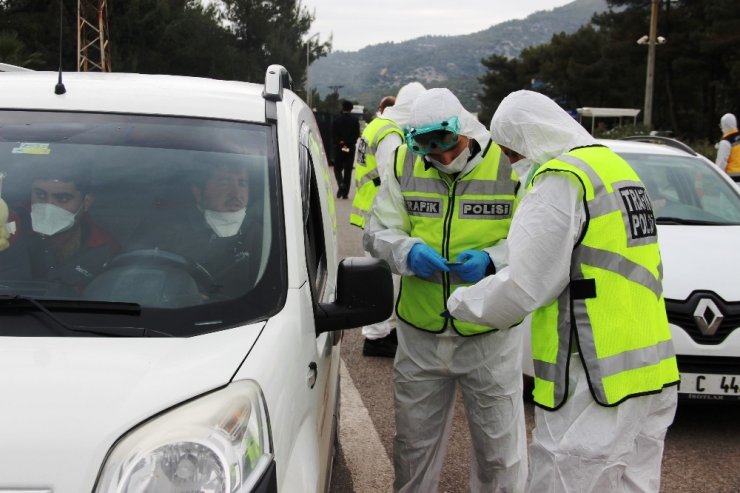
[
  {"x": 727, "y": 123},
  {"x": 399, "y": 113},
  {"x": 429, "y": 367},
  {"x": 581, "y": 447}
]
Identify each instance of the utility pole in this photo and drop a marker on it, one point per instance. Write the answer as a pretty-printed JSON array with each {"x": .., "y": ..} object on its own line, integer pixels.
[
  {"x": 649, "y": 78},
  {"x": 93, "y": 48}
]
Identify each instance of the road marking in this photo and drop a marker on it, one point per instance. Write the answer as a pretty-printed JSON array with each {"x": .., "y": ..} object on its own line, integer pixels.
[{"x": 364, "y": 453}]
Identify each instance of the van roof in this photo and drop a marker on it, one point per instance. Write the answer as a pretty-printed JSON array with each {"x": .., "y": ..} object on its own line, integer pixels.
[{"x": 134, "y": 93}]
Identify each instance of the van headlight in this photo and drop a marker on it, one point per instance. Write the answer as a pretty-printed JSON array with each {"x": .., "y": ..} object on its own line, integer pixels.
[{"x": 219, "y": 443}]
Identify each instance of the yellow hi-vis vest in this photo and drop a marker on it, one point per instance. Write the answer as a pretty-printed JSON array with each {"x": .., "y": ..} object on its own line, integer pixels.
[
  {"x": 613, "y": 308},
  {"x": 367, "y": 176},
  {"x": 733, "y": 160},
  {"x": 451, "y": 215}
]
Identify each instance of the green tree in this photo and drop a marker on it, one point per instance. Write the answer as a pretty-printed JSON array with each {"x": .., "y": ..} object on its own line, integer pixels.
[
  {"x": 179, "y": 37},
  {"x": 230, "y": 39},
  {"x": 502, "y": 77},
  {"x": 14, "y": 51},
  {"x": 269, "y": 32},
  {"x": 697, "y": 72},
  {"x": 35, "y": 26}
]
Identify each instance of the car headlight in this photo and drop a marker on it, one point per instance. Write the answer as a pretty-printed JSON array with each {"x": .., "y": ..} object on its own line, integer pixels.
[{"x": 219, "y": 443}]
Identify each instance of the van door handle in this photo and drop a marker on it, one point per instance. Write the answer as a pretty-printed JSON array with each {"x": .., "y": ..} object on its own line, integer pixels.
[{"x": 312, "y": 373}]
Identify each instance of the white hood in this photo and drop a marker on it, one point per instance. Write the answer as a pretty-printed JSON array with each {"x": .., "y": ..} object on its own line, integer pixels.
[
  {"x": 65, "y": 401},
  {"x": 439, "y": 104},
  {"x": 401, "y": 110},
  {"x": 728, "y": 122},
  {"x": 534, "y": 125}
]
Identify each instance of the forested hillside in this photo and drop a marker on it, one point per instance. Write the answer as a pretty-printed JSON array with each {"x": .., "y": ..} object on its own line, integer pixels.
[{"x": 451, "y": 61}]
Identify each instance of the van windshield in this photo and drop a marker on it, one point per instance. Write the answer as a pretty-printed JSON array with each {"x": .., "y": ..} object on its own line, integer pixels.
[{"x": 176, "y": 216}]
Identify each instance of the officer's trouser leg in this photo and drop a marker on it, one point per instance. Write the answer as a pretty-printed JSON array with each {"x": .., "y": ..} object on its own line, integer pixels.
[
  {"x": 587, "y": 448},
  {"x": 493, "y": 400},
  {"x": 424, "y": 410}
]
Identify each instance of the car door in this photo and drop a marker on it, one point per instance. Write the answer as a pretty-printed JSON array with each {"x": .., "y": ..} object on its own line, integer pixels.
[{"x": 320, "y": 245}]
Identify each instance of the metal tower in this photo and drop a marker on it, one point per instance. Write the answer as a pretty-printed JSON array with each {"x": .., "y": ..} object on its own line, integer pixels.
[{"x": 93, "y": 49}]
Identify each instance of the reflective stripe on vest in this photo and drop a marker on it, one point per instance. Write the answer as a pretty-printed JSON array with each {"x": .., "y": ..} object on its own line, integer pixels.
[
  {"x": 451, "y": 215},
  {"x": 614, "y": 304},
  {"x": 367, "y": 176}
]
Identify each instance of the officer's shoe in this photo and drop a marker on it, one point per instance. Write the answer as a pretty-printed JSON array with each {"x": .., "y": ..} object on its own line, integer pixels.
[{"x": 385, "y": 347}]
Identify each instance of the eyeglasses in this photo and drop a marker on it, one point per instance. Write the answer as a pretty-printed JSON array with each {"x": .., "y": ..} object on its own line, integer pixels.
[{"x": 434, "y": 138}]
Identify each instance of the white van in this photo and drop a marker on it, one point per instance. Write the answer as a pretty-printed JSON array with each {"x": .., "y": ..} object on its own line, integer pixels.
[{"x": 171, "y": 304}]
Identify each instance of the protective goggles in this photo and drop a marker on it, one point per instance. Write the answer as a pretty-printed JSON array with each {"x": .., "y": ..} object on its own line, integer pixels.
[{"x": 434, "y": 138}]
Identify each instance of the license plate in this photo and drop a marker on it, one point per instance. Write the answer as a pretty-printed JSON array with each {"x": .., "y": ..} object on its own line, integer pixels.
[{"x": 710, "y": 386}]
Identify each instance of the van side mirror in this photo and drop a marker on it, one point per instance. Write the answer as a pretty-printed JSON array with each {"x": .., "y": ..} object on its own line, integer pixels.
[{"x": 364, "y": 295}]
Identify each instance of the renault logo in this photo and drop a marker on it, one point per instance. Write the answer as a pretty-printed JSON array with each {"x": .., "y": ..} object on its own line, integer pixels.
[{"x": 707, "y": 317}]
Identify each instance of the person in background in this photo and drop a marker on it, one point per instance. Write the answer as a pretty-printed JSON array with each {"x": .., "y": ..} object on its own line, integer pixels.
[
  {"x": 439, "y": 220},
  {"x": 584, "y": 258},
  {"x": 346, "y": 131},
  {"x": 728, "y": 149},
  {"x": 375, "y": 150},
  {"x": 386, "y": 102}
]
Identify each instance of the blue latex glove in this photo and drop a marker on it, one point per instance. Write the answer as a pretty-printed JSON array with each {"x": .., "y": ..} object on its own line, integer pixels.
[
  {"x": 424, "y": 260},
  {"x": 473, "y": 266}
]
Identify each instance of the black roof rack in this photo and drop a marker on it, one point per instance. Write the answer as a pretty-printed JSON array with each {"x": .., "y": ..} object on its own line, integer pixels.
[{"x": 659, "y": 139}]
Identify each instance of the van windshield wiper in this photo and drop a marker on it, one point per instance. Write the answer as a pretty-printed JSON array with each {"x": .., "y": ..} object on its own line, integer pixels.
[{"x": 25, "y": 302}]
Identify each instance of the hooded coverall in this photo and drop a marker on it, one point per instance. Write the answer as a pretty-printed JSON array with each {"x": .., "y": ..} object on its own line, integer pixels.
[
  {"x": 580, "y": 446},
  {"x": 430, "y": 366}
]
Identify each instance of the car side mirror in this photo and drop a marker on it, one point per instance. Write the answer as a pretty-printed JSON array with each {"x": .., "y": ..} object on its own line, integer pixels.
[{"x": 364, "y": 295}]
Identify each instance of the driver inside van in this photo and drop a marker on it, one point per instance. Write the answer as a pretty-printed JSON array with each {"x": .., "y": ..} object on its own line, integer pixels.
[
  {"x": 217, "y": 231},
  {"x": 56, "y": 240}
]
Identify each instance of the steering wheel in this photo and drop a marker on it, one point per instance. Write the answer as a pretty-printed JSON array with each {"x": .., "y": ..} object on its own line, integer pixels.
[
  {"x": 153, "y": 277},
  {"x": 162, "y": 258}
]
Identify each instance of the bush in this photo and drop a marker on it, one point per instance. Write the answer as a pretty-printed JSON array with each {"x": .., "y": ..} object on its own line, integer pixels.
[
  {"x": 705, "y": 148},
  {"x": 622, "y": 131}
]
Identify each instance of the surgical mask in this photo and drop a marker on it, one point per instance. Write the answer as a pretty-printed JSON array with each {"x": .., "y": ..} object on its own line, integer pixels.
[
  {"x": 49, "y": 219},
  {"x": 225, "y": 224},
  {"x": 457, "y": 164}
]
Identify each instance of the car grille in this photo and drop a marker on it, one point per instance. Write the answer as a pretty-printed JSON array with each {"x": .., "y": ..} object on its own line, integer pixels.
[{"x": 682, "y": 313}]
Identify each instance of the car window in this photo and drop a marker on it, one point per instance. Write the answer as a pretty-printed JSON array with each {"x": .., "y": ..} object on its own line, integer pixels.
[
  {"x": 173, "y": 214},
  {"x": 686, "y": 188}
]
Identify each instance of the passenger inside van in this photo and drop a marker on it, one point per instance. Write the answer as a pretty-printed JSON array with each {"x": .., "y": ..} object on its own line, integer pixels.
[
  {"x": 218, "y": 231},
  {"x": 54, "y": 237}
]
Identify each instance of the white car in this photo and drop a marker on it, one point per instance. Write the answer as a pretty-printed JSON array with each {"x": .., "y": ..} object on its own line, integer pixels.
[
  {"x": 697, "y": 210},
  {"x": 6, "y": 67},
  {"x": 130, "y": 366}
]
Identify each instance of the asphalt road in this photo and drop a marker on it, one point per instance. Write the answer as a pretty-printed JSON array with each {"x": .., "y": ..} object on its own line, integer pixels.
[{"x": 702, "y": 450}]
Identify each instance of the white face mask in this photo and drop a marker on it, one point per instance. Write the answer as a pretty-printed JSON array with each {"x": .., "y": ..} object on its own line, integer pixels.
[
  {"x": 49, "y": 219},
  {"x": 456, "y": 165},
  {"x": 225, "y": 224}
]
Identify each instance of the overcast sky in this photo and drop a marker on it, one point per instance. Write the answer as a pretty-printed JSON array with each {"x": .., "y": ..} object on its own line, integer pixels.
[{"x": 356, "y": 24}]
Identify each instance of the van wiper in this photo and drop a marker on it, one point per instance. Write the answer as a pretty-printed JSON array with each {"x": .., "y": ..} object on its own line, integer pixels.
[
  {"x": 112, "y": 331},
  {"x": 695, "y": 222}
]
